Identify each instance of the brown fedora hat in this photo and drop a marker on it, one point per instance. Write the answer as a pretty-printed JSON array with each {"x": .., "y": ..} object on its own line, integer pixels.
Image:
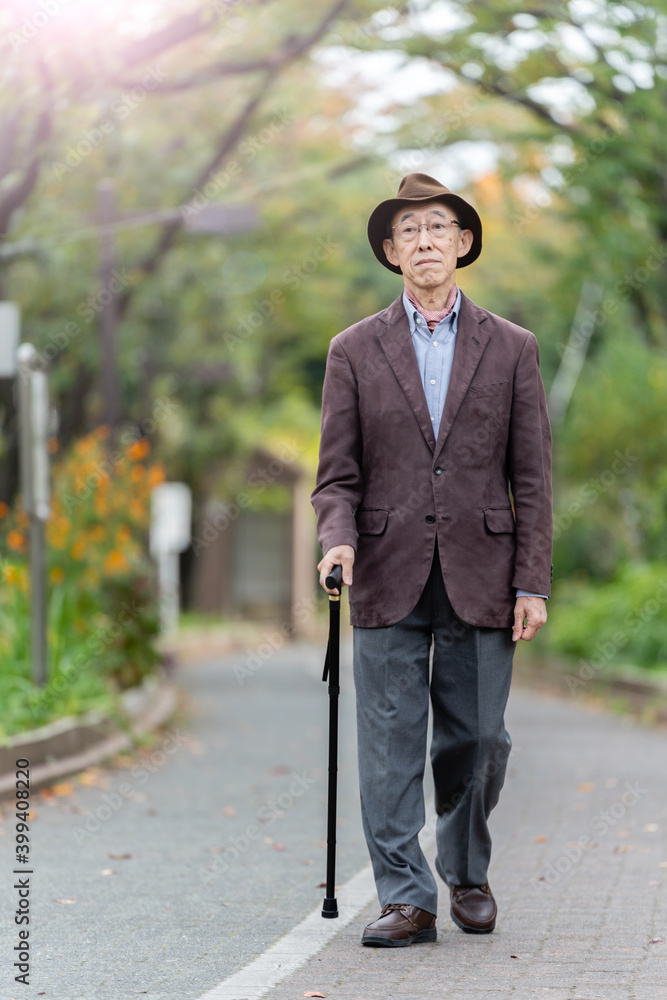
[{"x": 413, "y": 189}]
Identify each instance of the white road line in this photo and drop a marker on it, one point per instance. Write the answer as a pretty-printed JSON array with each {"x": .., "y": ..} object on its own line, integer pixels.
[{"x": 306, "y": 939}]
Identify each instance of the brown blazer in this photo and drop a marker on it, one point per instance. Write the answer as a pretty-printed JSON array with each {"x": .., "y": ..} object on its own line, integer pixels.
[{"x": 386, "y": 487}]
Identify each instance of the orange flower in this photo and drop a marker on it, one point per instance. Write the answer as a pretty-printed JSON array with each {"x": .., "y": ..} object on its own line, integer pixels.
[
  {"x": 137, "y": 473},
  {"x": 10, "y": 573},
  {"x": 115, "y": 562},
  {"x": 57, "y": 575},
  {"x": 155, "y": 476},
  {"x": 4, "y": 509},
  {"x": 16, "y": 541},
  {"x": 138, "y": 450},
  {"x": 78, "y": 549}
]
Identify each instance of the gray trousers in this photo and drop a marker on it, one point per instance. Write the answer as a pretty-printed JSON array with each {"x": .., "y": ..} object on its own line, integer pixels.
[{"x": 468, "y": 689}]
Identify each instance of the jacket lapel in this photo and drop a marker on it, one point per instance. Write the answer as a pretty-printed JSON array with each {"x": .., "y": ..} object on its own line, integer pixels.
[
  {"x": 396, "y": 343},
  {"x": 471, "y": 341}
]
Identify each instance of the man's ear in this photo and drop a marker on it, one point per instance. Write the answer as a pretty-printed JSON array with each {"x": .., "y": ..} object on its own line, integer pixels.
[
  {"x": 465, "y": 242},
  {"x": 390, "y": 252}
]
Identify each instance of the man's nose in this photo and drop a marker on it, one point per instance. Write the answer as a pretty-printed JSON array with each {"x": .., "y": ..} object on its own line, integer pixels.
[{"x": 424, "y": 238}]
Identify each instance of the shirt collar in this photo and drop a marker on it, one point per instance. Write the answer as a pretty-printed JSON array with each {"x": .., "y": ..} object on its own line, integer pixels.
[{"x": 412, "y": 314}]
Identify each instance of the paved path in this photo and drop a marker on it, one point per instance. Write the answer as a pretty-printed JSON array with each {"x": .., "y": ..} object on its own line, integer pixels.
[{"x": 224, "y": 822}]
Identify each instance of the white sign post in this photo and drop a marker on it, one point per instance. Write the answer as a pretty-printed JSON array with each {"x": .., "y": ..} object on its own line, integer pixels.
[
  {"x": 171, "y": 518},
  {"x": 33, "y": 390},
  {"x": 10, "y": 323}
]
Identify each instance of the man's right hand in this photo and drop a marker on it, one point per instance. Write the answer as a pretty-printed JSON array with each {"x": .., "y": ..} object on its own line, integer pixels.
[{"x": 342, "y": 555}]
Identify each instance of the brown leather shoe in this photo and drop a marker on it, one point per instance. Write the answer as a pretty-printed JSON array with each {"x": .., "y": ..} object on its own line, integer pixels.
[
  {"x": 399, "y": 925},
  {"x": 473, "y": 908}
]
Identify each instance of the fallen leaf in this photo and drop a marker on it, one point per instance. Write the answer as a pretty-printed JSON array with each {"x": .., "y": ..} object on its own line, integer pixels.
[
  {"x": 63, "y": 788},
  {"x": 47, "y": 793},
  {"x": 122, "y": 857},
  {"x": 310, "y": 993},
  {"x": 278, "y": 847},
  {"x": 540, "y": 840},
  {"x": 586, "y": 786},
  {"x": 108, "y": 871},
  {"x": 91, "y": 777},
  {"x": 514, "y": 956},
  {"x": 32, "y": 814},
  {"x": 656, "y": 941},
  {"x": 230, "y": 811},
  {"x": 623, "y": 848},
  {"x": 64, "y": 901}
]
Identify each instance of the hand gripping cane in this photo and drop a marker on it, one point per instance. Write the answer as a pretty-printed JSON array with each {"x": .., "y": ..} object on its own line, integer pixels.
[{"x": 331, "y": 671}]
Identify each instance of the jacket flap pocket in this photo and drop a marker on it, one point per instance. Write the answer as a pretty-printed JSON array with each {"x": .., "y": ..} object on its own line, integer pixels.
[
  {"x": 371, "y": 520},
  {"x": 499, "y": 519}
]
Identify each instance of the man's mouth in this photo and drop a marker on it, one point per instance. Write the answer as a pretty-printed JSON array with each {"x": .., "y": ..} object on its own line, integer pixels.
[{"x": 427, "y": 260}]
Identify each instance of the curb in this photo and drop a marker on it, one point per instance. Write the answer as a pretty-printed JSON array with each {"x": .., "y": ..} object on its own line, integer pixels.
[
  {"x": 44, "y": 743},
  {"x": 634, "y": 695}
]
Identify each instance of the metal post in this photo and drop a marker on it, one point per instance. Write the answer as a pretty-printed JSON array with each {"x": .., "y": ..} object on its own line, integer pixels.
[{"x": 33, "y": 421}]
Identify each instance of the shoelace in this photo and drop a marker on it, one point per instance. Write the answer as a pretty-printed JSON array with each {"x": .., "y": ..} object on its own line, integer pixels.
[
  {"x": 402, "y": 907},
  {"x": 461, "y": 890}
]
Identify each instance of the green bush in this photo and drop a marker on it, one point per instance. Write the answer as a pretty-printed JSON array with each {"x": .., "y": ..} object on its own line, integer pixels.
[{"x": 622, "y": 622}]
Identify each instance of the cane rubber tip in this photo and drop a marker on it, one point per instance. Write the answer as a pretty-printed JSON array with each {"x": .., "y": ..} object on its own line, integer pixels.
[{"x": 330, "y": 907}]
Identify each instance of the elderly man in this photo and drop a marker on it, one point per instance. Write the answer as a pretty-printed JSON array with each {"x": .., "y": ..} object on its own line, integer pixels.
[{"x": 434, "y": 495}]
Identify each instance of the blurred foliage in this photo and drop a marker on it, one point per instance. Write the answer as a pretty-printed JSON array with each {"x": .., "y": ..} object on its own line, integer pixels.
[
  {"x": 622, "y": 623},
  {"x": 223, "y": 339},
  {"x": 102, "y": 600}
]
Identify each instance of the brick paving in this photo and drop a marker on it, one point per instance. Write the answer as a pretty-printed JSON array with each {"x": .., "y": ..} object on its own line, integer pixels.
[{"x": 579, "y": 871}]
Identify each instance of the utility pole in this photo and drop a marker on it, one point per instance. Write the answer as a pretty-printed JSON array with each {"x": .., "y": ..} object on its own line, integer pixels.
[{"x": 106, "y": 215}]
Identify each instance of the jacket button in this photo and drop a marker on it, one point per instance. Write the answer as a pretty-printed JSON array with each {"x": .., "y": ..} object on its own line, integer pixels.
[
  {"x": 438, "y": 471},
  {"x": 430, "y": 519}
]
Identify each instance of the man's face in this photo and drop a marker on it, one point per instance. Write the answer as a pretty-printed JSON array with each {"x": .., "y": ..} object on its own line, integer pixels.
[{"x": 427, "y": 257}]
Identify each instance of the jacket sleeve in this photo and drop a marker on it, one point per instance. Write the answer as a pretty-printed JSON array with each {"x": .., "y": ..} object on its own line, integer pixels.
[
  {"x": 339, "y": 487},
  {"x": 530, "y": 474}
]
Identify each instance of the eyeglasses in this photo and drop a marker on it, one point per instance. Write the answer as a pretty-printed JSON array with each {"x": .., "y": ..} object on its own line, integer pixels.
[{"x": 408, "y": 231}]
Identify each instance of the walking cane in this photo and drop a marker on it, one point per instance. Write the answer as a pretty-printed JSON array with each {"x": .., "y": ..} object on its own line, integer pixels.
[{"x": 331, "y": 671}]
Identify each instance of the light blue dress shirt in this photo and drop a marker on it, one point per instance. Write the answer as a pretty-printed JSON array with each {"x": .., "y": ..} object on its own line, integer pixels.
[{"x": 435, "y": 356}]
